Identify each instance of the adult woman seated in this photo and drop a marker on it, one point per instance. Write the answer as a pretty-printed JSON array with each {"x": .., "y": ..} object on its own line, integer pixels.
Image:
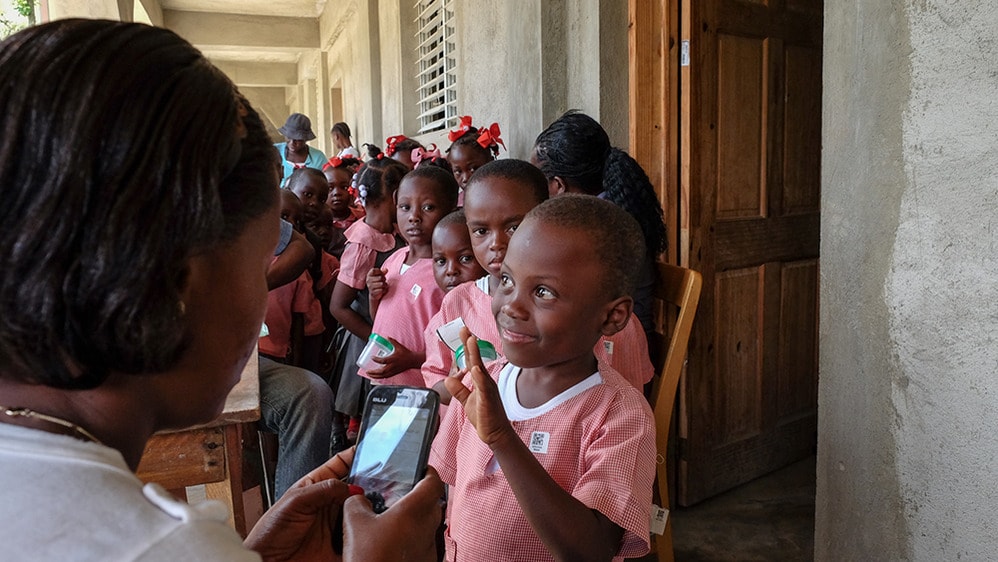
[{"x": 139, "y": 217}]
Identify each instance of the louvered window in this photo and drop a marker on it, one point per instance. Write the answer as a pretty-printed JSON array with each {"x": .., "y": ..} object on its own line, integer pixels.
[{"x": 435, "y": 65}]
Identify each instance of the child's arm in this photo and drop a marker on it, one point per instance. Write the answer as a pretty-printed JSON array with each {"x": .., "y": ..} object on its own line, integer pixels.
[
  {"x": 291, "y": 262},
  {"x": 377, "y": 286},
  {"x": 339, "y": 306},
  {"x": 568, "y": 528}
]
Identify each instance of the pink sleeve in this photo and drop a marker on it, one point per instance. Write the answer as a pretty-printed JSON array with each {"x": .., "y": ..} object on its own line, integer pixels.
[
  {"x": 329, "y": 266},
  {"x": 621, "y": 470},
  {"x": 627, "y": 352},
  {"x": 443, "y": 453},
  {"x": 302, "y": 300},
  {"x": 355, "y": 262},
  {"x": 436, "y": 367}
]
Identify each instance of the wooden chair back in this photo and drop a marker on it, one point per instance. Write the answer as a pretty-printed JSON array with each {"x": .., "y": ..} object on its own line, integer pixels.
[{"x": 679, "y": 287}]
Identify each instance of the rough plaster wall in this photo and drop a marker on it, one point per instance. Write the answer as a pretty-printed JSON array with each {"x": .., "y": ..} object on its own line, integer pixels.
[
  {"x": 389, "y": 29},
  {"x": 906, "y": 453},
  {"x": 865, "y": 85},
  {"x": 942, "y": 294},
  {"x": 523, "y": 63},
  {"x": 62, "y": 9},
  {"x": 613, "y": 71},
  {"x": 352, "y": 65}
]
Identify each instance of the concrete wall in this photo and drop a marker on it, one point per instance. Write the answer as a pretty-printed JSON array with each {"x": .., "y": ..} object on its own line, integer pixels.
[
  {"x": 909, "y": 305},
  {"x": 523, "y": 63}
]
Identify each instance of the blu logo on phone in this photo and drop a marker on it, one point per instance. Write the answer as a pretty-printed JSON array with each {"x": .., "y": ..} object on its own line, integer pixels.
[{"x": 394, "y": 444}]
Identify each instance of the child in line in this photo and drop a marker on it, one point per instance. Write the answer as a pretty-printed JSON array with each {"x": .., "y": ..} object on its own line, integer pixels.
[
  {"x": 499, "y": 196},
  {"x": 403, "y": 292},
  {"x": 471, "y": 148},
  {"x": 369, "y": 243},
  {"x": 497, "y": 199},
  {"x": 454, "y": 260},
  {"x": 312, "y": 188},
  {"x": 575, "y": 154},
  {"x": 340, "y": 174},
  {"x": 454, "y": 264},
  {"x": 553, "y": 457},
  {"x": 287, "y": 301}
]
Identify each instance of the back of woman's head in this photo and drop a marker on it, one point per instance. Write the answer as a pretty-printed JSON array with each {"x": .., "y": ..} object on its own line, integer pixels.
[
  {"x": 577, "y": 149},
  {"x": 574, "y": 148},
  {"x": 120, "y": 158}
]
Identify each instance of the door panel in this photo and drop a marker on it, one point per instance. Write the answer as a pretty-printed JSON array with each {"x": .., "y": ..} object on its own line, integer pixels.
[{"x": 749, "y": 401}]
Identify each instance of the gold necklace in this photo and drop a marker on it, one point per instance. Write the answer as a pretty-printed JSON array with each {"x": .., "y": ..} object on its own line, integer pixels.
[{"x": 81, "y": 433}]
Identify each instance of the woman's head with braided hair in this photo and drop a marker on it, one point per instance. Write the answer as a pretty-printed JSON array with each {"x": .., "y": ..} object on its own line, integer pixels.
[{"x": 575, "y": 155}]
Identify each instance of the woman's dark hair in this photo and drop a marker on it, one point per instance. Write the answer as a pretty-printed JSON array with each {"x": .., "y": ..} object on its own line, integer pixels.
[
  {"x": 380, "y": 178},
  {"x": 447, "y": 186},
  {"x": 341, "y": 128},
  {"x": 576, "y": 149},
  {"x": 120, "y": 158}
]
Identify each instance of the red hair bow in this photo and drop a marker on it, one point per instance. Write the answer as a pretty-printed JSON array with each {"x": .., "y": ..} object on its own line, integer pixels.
[
  {"x": 461, "y": 129},
  {"x": 334, "y": 162},
  {"x": 418, "y": 154},
  {"x": 489, "y": 138},
  {"x": 391, "y": 142}
]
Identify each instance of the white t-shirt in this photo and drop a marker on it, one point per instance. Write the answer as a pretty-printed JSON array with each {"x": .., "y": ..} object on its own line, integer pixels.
[
  {"x": 66, "y": 499},
  {"x": 349, "y": 151}
]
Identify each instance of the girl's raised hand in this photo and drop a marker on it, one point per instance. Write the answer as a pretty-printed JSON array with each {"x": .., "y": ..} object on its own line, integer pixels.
[
  {"x": 376, "y": 284},
  {"x": 482, "y": 403}
]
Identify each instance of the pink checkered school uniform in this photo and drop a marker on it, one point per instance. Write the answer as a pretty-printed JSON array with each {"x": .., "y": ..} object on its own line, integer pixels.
[
  {"x": 282, "y": 302},
  {"x": 626, "y": 351},
  {"x": 413, "y": 297},
  {"x": 359, "y": 256},
  {"x": 470, "y": 302},
  {"x": 329, "y": 266},
  {"x": 596, "y": 440}
]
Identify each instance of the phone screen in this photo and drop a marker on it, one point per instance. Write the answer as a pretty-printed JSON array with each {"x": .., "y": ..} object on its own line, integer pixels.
[{"x": 396, "y": 433}]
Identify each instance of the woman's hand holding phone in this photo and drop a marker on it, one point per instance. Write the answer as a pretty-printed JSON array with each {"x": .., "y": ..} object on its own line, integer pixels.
[
  {"x": 301, "y": 524},
  {"x": 406, "y": 531}
]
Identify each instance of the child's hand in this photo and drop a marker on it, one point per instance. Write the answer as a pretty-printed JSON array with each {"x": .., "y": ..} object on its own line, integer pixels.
[
  {"x": 376, "y": 284},
  {"x": 399, "y": 360},
  {"x": 482, "y": 404}
]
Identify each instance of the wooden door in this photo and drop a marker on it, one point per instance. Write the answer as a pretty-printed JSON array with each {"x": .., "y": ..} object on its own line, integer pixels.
[{"x": 752, "y": 142}]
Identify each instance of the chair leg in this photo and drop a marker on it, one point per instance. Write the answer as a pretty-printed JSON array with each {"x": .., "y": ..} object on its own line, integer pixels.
[
  {"x": 268, "y": 478},
  {"x": 663, "y": 543}
]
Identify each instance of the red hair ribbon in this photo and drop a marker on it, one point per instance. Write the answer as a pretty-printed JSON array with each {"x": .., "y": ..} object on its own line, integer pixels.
[
  {"x": 391, "y": 142},
  {"x": 489, "y": 138},
  {"x": 334, "y": 162},
  {"x": 418, "y": 154},
  {"x": 461, "y": 129}
]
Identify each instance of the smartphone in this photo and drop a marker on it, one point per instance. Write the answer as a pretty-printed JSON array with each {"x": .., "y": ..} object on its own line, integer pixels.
[{"x": 396, "y": 432}]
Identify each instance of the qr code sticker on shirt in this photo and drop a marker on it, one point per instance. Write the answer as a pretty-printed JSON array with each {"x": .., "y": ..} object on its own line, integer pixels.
[{"x": 539, "y": 441}]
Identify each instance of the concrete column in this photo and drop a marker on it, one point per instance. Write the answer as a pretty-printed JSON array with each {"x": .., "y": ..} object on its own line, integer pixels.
[{"x": 908, "y": 395}]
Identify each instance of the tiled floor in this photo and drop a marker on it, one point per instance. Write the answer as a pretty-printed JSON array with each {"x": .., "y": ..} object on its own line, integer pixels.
[{"x": 771, "y": 518}]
